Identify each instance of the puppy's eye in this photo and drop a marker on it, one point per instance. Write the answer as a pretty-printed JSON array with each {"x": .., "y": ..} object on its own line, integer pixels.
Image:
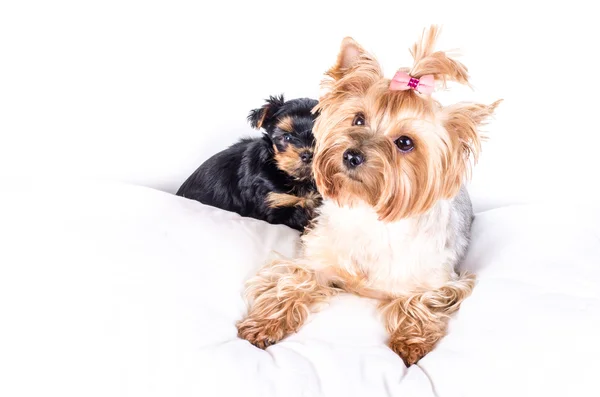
[
  {"x": 404, "y": 144},
  {"x": 287, "y": 137},
  {"x": 359, "y": 119}
]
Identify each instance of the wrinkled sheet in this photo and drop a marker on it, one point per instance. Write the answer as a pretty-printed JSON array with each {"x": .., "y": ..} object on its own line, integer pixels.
[{"x": 117, "y": 290}]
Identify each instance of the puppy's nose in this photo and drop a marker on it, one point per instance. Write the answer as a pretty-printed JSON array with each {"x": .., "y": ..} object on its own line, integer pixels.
[
  {"x": 353, "y": 158},
  {"x": 306, "y": 157}
]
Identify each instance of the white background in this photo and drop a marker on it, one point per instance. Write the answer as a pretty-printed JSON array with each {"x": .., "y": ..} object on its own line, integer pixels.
[{"x": 144, "y": 91}]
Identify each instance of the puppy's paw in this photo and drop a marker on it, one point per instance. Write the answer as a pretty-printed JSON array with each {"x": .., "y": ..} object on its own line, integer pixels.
[{"x": 261, "y": 333}]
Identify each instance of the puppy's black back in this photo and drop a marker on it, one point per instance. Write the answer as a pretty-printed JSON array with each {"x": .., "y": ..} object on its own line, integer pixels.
[
  {"x": 234, "y": 178},
  {"x": 217, "y": 178}
]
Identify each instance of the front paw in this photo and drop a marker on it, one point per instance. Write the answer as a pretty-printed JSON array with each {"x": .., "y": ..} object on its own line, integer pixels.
[
  {"x": 261, "y": 333},
  {"x": 410, "y": 353}
]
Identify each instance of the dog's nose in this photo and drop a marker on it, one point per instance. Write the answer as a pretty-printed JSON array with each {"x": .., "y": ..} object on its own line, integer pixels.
[
  {"x": 306, "y": 157},
  {"x": 353, "y": 158}
]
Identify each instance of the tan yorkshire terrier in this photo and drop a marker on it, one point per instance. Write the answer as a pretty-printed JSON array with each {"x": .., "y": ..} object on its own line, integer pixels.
[{"x": 390, "y": 163}]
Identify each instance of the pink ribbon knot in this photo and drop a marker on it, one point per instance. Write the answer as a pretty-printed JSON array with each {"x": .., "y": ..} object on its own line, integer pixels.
[{"x": 403, "y": 81}]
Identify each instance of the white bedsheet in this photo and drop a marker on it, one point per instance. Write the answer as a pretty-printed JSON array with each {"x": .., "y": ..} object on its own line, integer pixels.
[{"x": 116, "y": 290}]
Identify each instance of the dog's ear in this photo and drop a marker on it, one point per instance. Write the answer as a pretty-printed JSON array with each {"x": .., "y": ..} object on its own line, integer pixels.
[
  {"x": 463, "y": 121},
  {"x": 352, "y": 54},
  {"x": 263, "y": 117}
]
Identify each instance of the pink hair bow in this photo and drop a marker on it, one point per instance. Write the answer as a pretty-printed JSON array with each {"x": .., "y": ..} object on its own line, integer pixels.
[{"x": 403, "y": 81}]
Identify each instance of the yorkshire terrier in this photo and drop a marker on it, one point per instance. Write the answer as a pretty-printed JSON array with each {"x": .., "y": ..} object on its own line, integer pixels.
[
  {"x": 390, "y": 163},
  {"x": 267, "y": 178}
]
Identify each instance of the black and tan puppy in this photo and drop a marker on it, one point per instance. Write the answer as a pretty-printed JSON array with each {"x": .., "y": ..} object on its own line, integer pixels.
[{"x": 268, "y": 178}]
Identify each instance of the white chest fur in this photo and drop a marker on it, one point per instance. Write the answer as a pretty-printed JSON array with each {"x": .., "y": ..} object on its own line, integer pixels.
[{"x": 395, "y": 257}]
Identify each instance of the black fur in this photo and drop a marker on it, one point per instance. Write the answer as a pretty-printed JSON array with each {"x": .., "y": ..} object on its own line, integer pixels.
[{"x": 239, "y": 178}]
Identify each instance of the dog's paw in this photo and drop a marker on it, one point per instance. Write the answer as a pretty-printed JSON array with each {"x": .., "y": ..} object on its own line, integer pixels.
[
  {"x": 261, "y": 333},
  {"x": 410, "y": 353}
]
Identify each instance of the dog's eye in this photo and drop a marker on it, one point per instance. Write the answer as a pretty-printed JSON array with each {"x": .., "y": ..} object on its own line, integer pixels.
[
  {"x": 287, "y": 137},
  {"x": 405, "y": 144},
  {"x": 359, "y": 119}
]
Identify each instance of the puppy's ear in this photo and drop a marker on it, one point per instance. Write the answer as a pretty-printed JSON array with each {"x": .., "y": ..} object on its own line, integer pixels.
[
  {"x": 263, "y": 117},
  {"x": 352, "y": 54},
  {"x": 462, "y": 121}
]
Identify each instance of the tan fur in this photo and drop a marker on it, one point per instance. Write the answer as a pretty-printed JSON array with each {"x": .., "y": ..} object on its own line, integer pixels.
[
  {"x": 437, "y": 63},
  {"x": 357, "y": 284},
  {"x": 445, "y": 138},
  {"x": 263, "y": 116},
  {"x": 276, "y": 200},
  {"x": 388, "y": 191},
  {"x": 282, "y": 295},
  {"x": 289, "y": 161},
  {"x": 463, "y": 121},
  {"x": 286, "y": 124},
  {"x": 417, "y": 322}
]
